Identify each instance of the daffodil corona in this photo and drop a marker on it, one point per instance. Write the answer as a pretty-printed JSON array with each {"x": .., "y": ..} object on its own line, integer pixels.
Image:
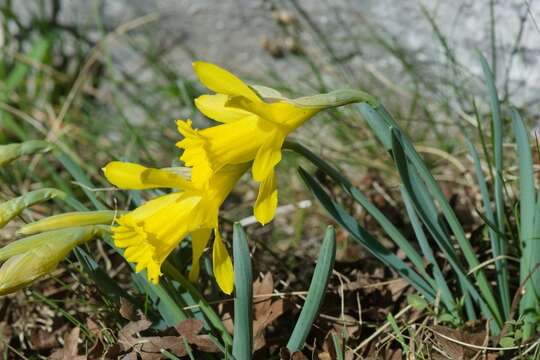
[
  {"x": 152, "y": 231},
  {"x": 252, "y": 129}
]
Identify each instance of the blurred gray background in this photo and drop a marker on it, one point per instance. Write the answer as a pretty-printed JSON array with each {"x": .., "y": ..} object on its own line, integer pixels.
[{"x": 254, "y": 37}]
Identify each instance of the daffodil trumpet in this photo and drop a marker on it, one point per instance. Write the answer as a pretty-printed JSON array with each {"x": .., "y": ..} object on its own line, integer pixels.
[
  {"x": 153, "y": 230},
  {"x": 255, "y": 122}
]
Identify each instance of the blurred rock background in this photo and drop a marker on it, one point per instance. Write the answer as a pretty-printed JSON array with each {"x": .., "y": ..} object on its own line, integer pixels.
[{"x": 255, "y": 37}]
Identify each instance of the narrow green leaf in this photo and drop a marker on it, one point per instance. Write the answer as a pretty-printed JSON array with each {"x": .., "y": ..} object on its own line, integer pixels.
[
  {"x": 338, "y": 348},
  {"x": 243, "y": 300},
  {"x": 397, "y": 332},
  {"x": 489, "y": 217},
  {"x": 81, "y": 177},
  {"x": 15, "y": 79},
  {"x": 487, "y": 301},
  {"x": 442, "y": 286},
  {"x": 13, "y": 207},
  {"x": 417, "y": 302},
  {"x": 381, "y": 122},
  {"x": 529, "y": 244},
  {"x": 398, "y": 238},
  {"x": 497, "y": 128},
  {"x": 365, "y": 239},
  {"x": 170, "y": 311},
  {"x": 316, "y": 292},
  {"x": 108, "y": 286},
  {"x": 18, "y": 74}
]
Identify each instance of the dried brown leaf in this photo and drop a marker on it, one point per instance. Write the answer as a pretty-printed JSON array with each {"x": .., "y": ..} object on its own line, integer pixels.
[
  {"x": 263, "y": 287},
  {"x": 394, "y": 354},
  {"x": 131, "y": 356},
  {"x": 127, "y": 310},
  {"x": 190, "y": 330},
  {"x": 285, "y": 354},
  {"x": 149, "y": 347},
  {"x": 346, "y": 328},
  {"x": 5, "y": 335},
  {"x": 264, "y": 310},
  {"x": 325, "y": 356},
  {"x": 126, "y": 337},
  {"x": 227, "y": 321},
  {"x": 298, "y": 356},
  {"x": 70, "y": 351},
  {"x": 397, "y": 288},
  {"x": 41, "y": 339},
  {"x": 349, "y": 355},
  {"x": 93, "y": 327},
  {"x": 155, "y": 344},
  {"x": 448, "y": 340}
]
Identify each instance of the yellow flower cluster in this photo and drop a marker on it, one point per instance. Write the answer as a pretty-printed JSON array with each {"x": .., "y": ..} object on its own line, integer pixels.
[
  {"x": 251, "y": 134},
  {"x": 150, "y": 232}
]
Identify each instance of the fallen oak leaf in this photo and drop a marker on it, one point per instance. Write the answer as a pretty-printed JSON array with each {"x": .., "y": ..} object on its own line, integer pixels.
[
  {"x": 190, "y": 330},
  {"x": 148, "y": 347},
  {"x": 454, "y": 342},
  {"x": 126, "y": 337},
  {"x": 262, "y": 293},
  {"x": 155, "y": 344},
  {"x": 264, "y": 310}
]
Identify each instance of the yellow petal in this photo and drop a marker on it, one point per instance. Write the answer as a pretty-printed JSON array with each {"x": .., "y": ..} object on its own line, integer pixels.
[
  {"x": 199, "y": 240},
  {"x": 195, "y": 153},
  {"x": 290, "y": 115},
  {"x": 128, "y": 175},
  {"x": 268, "y": 155},
  {"x": 152, "y": 231},
  {"x": 213, "y": 107},
  {"x": 223, "y": 268},
  {"x": 152, "y": 206},
  {"x": 209, "y": 150},
  {"x": 267, "y": 200},
  {"x": 223, "y": 82},
  {"x": 224, "y": 181}
]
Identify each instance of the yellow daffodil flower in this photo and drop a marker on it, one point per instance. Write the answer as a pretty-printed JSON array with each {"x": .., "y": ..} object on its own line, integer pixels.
[
  {"x": 255, "y": 122},
  {"x": 152, "y": 231}
]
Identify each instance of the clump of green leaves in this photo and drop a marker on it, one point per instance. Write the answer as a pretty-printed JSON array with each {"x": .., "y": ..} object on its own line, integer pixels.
[{"x": 465, "y": 292}]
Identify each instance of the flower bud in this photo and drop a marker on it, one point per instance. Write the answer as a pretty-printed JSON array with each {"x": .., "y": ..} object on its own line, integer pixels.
[
  {"x": 33, "y": 257},
  {"x": 11, "y": 152},
  {"x": 320, "y": 101},
  {"x": 71, "y": 219},
  {"x": 13, "y": 207}
]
